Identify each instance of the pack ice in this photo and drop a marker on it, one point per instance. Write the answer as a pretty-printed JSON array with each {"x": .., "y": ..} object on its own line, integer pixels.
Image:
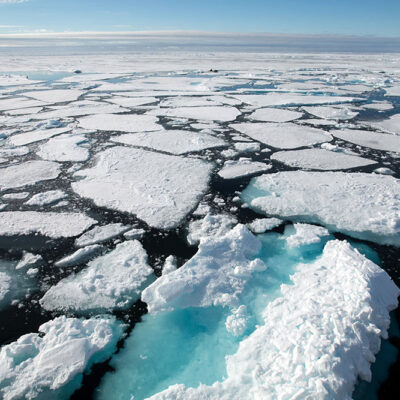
[
  {"x": 159, "y": 189},
  {"x": 361, "y": 205}
]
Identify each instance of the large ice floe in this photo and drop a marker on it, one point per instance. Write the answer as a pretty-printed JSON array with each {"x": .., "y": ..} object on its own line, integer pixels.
[
  {"x": 364, "y": 206},
  {"x": 172, "y": 141},
  {"x": 283, "y": 136},
  {"x": 241, "y": 168},
  {"x": 274, "y": 115},
  {"x": 320, "y": 159},
  {"x": 50, "y": 364},
  {"x": 112, "y": 281},
  {"x": 237, "y": 330},
  {"x": 54, "y": 95},
  {"x": 158, "y": 188},
  {"x": 22, "y": 139}
]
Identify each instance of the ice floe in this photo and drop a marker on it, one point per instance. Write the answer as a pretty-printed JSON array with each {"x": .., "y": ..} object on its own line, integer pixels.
[
  {"x": 80, "y": 256},
  {"x": 305, "y": 234},
  {"x": 52, "y": 224},
  {"x": 131, "y": 101},
  {"x": 25, "y": 138},
  {"x": 18, "y": 103},
  {"x": 391, "y": 125},
  {"x": 27, "y": 173},
  {"x": 216, "y": 113},
  {"x": 100, "y": 234},
  {"x": 241, "y": 168},
  {"x": 361, "y": 205},
  {"x": 283, "y": 136},
  {"x": 15, "y": 196},
  {"x": 46, "y": 198},
  {"x": 112, "y": 281},
  {"x": 172, "y": 141},
  {"x": 261, "y": 225},
  {"x": 162, "y": 190},
  {"x": 274, "y": 115},
  {"x": 336, "y": 113},
  {"x": 55, "y": 95},
  {"x": 51, "y": 363},
  {"x": 320, "y": 159}
]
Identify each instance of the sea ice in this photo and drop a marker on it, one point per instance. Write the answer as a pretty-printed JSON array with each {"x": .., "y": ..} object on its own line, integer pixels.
[
  {"x": 29, "y": 260},
  {"x": 131, "y": 102},
  {"x": 247, "y": 147},
  {"x": 18, "y": 102},
  {"x": 283, "y": 136},
  {"x": 373, "y": 140},
  {"x": 64, "y": 148},
  {"x": 162, "y": 190},
  {"x": 50, "y": 364},
  {"x": 261, "y": 225},
  {"x": 112, "y": 281},
  {"x": 15, "y": 196},
  {"x": 336, "y": 113},
  {"x": 25, "y": 138},
  {"x": 379, "y": 106},
  {"x": 242, "y": 168},
  {"x": 274, "y": 115},
  {"x": 27, "y": 173},
  {"x": 320, "y": 159},
  {"x": 172, "y": 141},
  {"x": 120, "y": 123},
  {"x": 54, "y": 95},
  {"x": 52, "y": 224},
  {"x": 100, "y": 234},
  {"x": 305, "y": 234},
  {"x": 391, "y": 125},
  {"x": 364, "y": 206},
  {"x": 393, "y": 91},
  {"x": 46, "y": 198},
  {"x": 80, "y": 256}
]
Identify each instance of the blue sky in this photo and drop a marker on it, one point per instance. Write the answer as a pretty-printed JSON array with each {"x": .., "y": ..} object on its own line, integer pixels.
[{"x": 348, "y": 17}]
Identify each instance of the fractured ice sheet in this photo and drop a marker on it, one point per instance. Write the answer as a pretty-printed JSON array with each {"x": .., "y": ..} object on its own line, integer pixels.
[
  {"x": 18, "y": 103},
  {"x": 50, "y": 364},
  {"x": 121, "y": 123},
  {"x": 216, "y": 113},
  {"x": 162, "y": 190},
  {"x": 373, "y": 140},
  {"x": 335, "y": 113},
  {"x": 172, "y": 141},
  {"x": 25, "y": 138},
  {"x": 132, "y": 101},
  {"x": 391, "y": 125},
  {"x": 364, "y": 206},
  {"x": 109, "y": 282},
  {"x": 274, "y": 115},
  {"x": 100, "y": 234},
  {"x": 64, "y": 148},
  {"x": 27, "y": 173},
  {"x": 261, "y": 225},
  {"x": 45, "y": 198},
  {"x": 242, "y": 168},
  {"x": 283, "y": 136},
  {"x": 320, "y": 159},
  {"x": 52, "y": 224},
  {"x": 187, "y": 101},
  {"x": 54, "y": 95}
]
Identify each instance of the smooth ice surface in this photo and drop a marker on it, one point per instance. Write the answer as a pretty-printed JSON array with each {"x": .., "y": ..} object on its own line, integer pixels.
[
  {"x": 274, "y": 115},
  {"x": 247, "y": 147},
  {"x": 112, "y": 281},
  {"x": 217, "y": 113},
  {"x": 80, "y": 256},
  {"x": 210, "y": 226},
  {"x": 261, "y": 225},
  {"x": 335, "y": 113},
  {"x": 373, "y": 140},
  {"x": 25, "y": 138},
  {"x": 380, "y": 106},
  {"x": 15, "y": 196},
  {"x": 50, "y": 365},
  {"x": 27, "y": 173},
  {"x": 18, "y": 103},
  {"x": 241, "y": 168},
  {"x": 120, "y": 123},
  {"x": 54, "y": 95},
  {"x": 162, "y": 190},
  {"x": 320, "y": 159},
  {"x": 391, "y": 125},
  {"x": 45, "y": 198},
  {"x": 100, "y": 234},
  {"x": 361, "y": 205},
  {"x": 131, "y": 101},
  {"x": 172, "y": 141},
  {"x": 51, "y": 224},
  {"x": 283, "y": 136},
  {"x": 64, "y": 148}
]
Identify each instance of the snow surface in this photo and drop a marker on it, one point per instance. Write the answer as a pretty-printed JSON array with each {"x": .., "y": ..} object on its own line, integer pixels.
[
  {"x": 216, "y": 113},
  {"x": 320, "y": 159},
  {"x": 27, "y": 173},
  {"x": 25, "y": 138},
  {"x": 274, "y": 115},
  {"x": 335, "y": 113},
  {"x": 162, "y": 191},
  {"x": 29, "y": 260},
  {"x": 391, "y": 125},
  {"x": 52, "y": 224},
  {"x": 242, "y": 168},
  {"x": 109, "y": 282},
  {"x": 45, "y": 198},
  {"x": 50, "y": 364},
  {"x": 80, "y": 256},
  {"x": 261, "y": 225},
  {"x": 54, "y": 95},
  {"x": 373, "y": 140},
  {"x": 172, "y": 141},
  {"x": 305, "y": 234},
  {"x": 100, "y": 234},
  {"x": 283, "y": 136},
  {"x": 364, "y": 206},
  {"x": 120, "y": 123}
]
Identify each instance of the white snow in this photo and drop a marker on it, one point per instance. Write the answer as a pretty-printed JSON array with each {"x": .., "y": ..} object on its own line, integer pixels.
[
  {"x": 162, "y": 190},
  {"x": 320, "y": 159},
  {"x": 15, "y": 196},
  {"x": 29, "y": 260},
  {"x": 131, "y": 102},
  {"x": 247, "y": 147},
  {"x": 135, "y": 233},
  {"x": 120, "y": 123},
  {"x": 216, "y": 113},
  {"x": 384, "y": 171},
  {"x": 261, "y": 225},
  {"x": 80, "y": 256},
  {"x": 216, "y": 275},
  {"x": 172, "y": 141},
  {"x": 283, "y": 136},
  {"x": 391, "y": 125},
  {"x": 18, "y": 102},
  {"x": 52, "y": 224},
  {"x": 361, "y": 205},
  {"x": 25, "y": 138},
  {"x": 393, "y": 91},
  {"x": 112, "y": 281},
  {"x": 305, "y": 234},
  {"x": 210, "y": 226},
  {"x": 169, "y": 265},
  {"x": 54, "y": 95},
  {"x": 379, "y": 106},
  {"x": 27, "y": 173},
  {"x": 242, "y": 168},
  {"x": 51, "y": 364},
  {"x": 274, "y": 115},
  {"x": 100, "y": 234},
  {"x": 335, "y": 113},
  {"x": 373, "y": 140},
  {"x": 45, "y": 198}
]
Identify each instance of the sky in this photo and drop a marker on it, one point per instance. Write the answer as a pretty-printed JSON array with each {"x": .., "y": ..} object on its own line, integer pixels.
[{"x": 342, "y": 17}]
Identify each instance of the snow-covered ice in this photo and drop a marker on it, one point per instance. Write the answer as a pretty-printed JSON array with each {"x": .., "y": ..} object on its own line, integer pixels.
[
  {"x": 320, "y": 159},
  {"x": 22, "y": 139},
  {"x": 46, "y": 198},
  {"x": 215, "y": 113},
  {"x": 391, "y": 125},
  {"x": 336, "y": 113},
  {"x": 274, "y": 115},
  {"x": 261, "y": 225},
  {"x": 361, "y": 205},
  {"x": 241, "y": 168},
  {"x": 54, "y": 95},
  {"x": 162, "y": 191},
  {"x": 112, "y": 281},
  {"x": 100, "y": 234},
  {"x": 283, "y": 136},
  {"x": 305, "y": 234},
  {"x": 80, "y": 256}
]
